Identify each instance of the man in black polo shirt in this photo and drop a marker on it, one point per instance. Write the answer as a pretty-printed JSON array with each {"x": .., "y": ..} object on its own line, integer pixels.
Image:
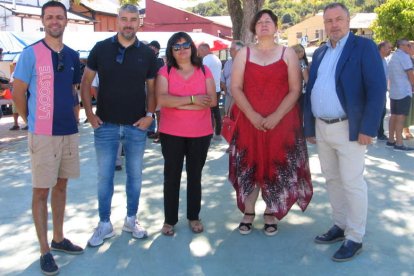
[{"x": 124, "y": 112}]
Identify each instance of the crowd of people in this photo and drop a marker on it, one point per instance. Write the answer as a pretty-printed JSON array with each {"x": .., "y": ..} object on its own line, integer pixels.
[{"x": 278, "y": 103}]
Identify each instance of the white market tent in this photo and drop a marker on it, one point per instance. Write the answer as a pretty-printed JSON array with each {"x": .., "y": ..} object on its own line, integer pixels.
[{"x": 14, "y": 42}]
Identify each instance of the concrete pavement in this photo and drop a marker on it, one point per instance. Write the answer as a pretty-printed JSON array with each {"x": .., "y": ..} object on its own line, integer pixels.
[{"x": 220, "y": 250}]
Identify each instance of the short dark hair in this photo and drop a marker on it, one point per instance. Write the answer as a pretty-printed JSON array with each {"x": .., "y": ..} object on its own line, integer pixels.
[
  {"x": 257, "y": 17},
  {"x": 171, "y": 62},
  {"x": 155, "y": 44},
  {"x": 53, "y": 3},
  {"x": 336, "y": 5},
  {"x": 382, "y": 44}
]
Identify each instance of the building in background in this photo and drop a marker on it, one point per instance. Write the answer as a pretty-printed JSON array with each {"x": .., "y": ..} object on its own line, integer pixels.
[
  {"x": 24, "y": 16},
  {"x": 310, "y": 32},
  {"x": 102, "y": 12},
  {"x": 164, "y": 18},
  {"x": 361, "y": 24}
]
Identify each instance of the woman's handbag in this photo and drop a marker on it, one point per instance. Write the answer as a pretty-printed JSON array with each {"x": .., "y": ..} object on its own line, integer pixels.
[{"x": 228, "y": 126}]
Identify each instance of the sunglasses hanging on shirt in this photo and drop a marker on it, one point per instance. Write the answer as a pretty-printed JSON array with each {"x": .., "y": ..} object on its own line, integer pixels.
[
  {"x": 121, "y": 54},
  {"x": 60, "y": 64}
]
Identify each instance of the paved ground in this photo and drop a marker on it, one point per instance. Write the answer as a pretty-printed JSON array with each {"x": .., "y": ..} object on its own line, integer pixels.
[
  {"x": 9, "y": 138},
  {"x": 220, "y": 250}
]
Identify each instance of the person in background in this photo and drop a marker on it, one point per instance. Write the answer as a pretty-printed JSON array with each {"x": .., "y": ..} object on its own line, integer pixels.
[
  {"x": 344, "y": 101},
  {"x": 155, "y": 46},
  {"x": 3, "y": 96},
  {"x": 186, "y": 92},
  {"x": 409, "y": 121},
  {"x": 214, "y": 64},
  {"x": 268, "y": 152},
  {"x": 14, "y": 110},
  {"x": 9, "y": 86},
  {"x": 401, "y": 81},
  {"x": 304, "y": 67},
  {"x": 385, "y": 49},
  {"x": 77, "y": 103},
  {"x": 2, "y": 86},
  {"x": 53, "y": 134},
  {"x": 225, "y": 80},
  {"x": 125, "y": 106},
  {"x": 303, "y": 61}
]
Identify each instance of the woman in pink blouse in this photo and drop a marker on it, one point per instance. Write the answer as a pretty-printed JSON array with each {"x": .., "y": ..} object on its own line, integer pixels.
[{"x": 185, "y": 91}]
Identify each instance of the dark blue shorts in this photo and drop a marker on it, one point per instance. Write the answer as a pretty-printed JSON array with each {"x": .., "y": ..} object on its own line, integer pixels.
[{"x": 401, "y": 106}]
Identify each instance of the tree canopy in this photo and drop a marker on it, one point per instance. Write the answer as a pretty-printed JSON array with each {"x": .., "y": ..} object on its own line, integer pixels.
[
  {"x": 395, "y": 20},
  {"x": 132, "y": 2}
]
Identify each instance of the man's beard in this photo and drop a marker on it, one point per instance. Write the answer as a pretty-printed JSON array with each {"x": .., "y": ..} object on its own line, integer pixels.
[
  {"x": 128, "y": 36},
  {"x": 55, "y": 34}
]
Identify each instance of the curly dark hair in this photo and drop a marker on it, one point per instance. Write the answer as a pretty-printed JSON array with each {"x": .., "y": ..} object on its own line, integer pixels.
[{"x": 171, "y": 62}]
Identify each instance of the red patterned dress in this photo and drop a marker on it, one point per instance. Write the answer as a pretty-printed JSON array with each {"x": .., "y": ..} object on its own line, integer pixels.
[{"x": 275, "y": 160}]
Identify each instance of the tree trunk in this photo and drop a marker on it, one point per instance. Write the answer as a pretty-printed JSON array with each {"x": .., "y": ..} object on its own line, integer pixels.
[
  {"x": 241, "y": 15},
  {"x": 250, "y": 8},
  {"x": 236, "y": 15}
]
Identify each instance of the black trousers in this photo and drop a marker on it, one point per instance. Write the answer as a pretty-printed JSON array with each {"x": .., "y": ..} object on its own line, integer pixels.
[
  {"x": 381, "y": 126},
  {"x": 174, "y": 149},
  {"x": 216, "y": 116}
]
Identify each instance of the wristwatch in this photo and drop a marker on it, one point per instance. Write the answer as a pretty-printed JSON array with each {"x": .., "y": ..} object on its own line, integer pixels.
[{"x": 149, "y": 114}]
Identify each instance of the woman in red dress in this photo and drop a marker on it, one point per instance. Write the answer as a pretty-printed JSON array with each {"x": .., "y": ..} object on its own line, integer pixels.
[{"x": 268, "y": 152}]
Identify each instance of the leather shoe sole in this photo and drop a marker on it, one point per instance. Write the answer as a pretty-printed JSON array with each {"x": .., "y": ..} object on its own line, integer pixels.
[{"x": 328, "y": 242}]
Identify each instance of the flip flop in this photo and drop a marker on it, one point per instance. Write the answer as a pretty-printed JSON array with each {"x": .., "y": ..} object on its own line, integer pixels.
[
  {"x": 196, "y": 226},
  {"x": 167, "y": 230}
]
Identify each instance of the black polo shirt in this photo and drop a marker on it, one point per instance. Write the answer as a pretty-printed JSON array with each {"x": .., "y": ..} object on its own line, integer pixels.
[{"x": 122, "y": 75}]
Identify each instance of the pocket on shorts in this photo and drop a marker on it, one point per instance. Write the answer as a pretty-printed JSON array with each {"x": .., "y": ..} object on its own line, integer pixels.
[
  {"x": 34, "y": 143},
  {"x": 74, "y": 145}
]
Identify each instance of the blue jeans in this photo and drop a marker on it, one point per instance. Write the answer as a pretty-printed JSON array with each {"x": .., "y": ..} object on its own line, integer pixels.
[
  {"x": 107, "y": 138},
  {"x": 152, "y": 126}
]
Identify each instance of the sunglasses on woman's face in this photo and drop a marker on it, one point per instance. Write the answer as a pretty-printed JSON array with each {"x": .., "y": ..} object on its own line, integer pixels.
[{"x": 185, "y": 45}]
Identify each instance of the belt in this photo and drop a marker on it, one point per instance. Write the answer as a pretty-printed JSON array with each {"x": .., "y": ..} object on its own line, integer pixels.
[{"x": 333, "y": 121}]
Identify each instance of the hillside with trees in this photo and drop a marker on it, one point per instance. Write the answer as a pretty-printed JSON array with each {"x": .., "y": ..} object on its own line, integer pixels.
[{"x": 289, "y": 12}]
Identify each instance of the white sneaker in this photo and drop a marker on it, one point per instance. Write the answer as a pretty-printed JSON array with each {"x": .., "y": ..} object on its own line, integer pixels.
[
  {"x": 131, "y": 225},
  {"x": 102, "y": 232}
]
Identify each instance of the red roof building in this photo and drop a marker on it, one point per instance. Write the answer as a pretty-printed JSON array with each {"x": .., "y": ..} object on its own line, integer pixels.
[{"x": 163, "y": 18}]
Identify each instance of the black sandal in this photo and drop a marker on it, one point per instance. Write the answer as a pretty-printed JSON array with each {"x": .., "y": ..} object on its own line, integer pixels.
[
  {"x": 246, "y": 225},
  {"x": 270, "y": 229}
]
